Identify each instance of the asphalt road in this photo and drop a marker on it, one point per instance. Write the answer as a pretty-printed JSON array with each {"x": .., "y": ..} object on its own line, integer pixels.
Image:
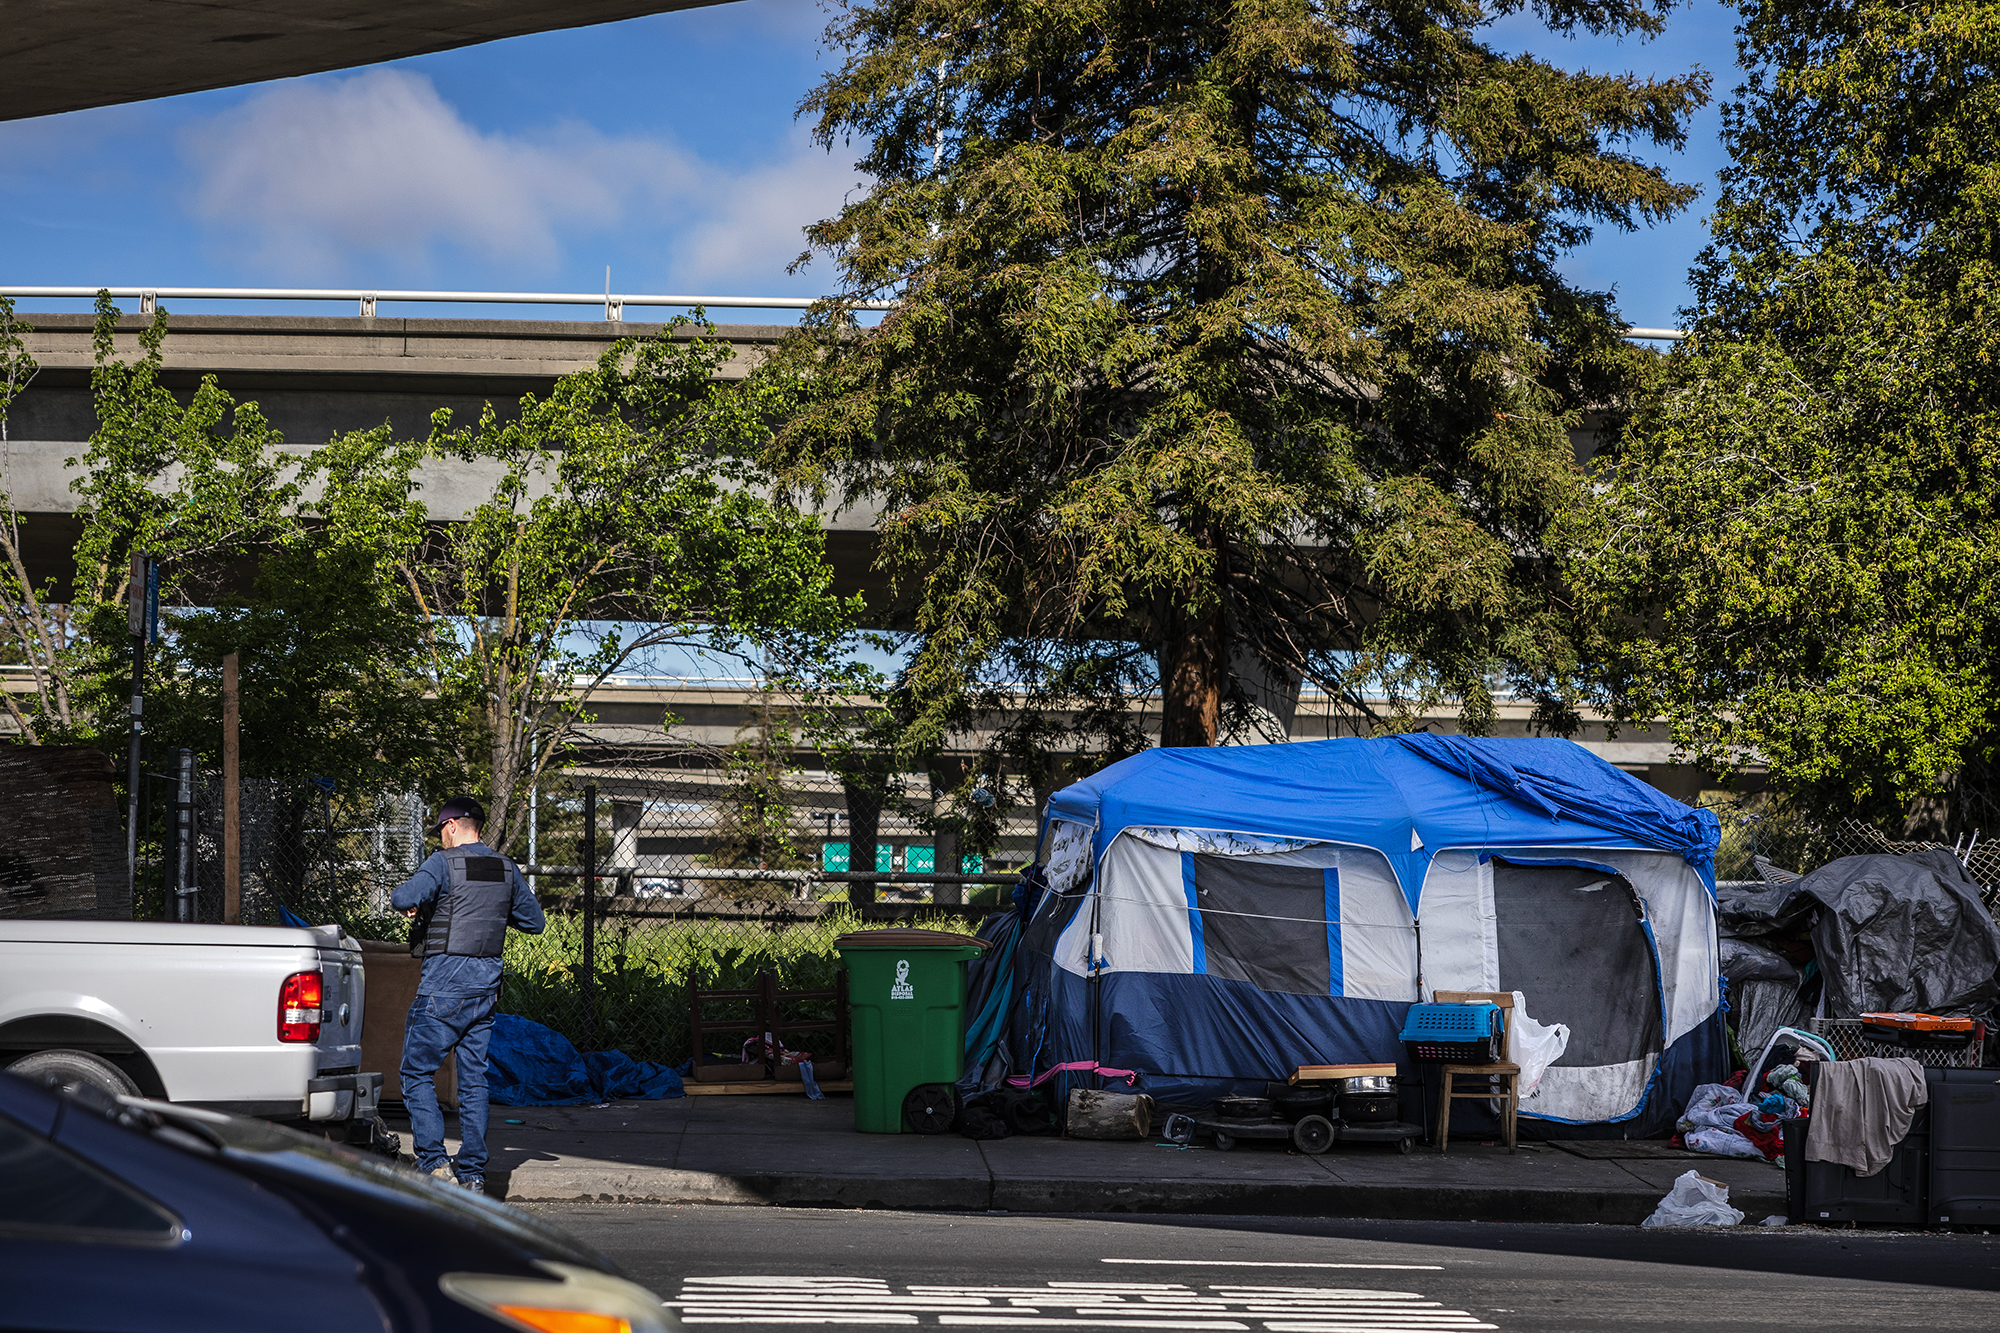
[{"x": 790, "y": 1268}]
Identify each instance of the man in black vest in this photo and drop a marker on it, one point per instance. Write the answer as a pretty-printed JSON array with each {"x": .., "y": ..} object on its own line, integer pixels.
[{"x": 461, "y": 900}]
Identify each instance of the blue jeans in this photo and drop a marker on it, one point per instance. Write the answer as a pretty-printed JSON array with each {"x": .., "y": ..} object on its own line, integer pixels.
[{"x": 437, "y": 1023}]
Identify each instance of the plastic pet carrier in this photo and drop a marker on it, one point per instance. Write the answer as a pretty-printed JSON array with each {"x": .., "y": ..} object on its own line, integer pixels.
[{"x": 1460, "y": 1034}]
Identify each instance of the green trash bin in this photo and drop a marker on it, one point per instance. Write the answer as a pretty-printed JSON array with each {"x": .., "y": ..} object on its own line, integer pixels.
[{"x": 906, "y": 1000}]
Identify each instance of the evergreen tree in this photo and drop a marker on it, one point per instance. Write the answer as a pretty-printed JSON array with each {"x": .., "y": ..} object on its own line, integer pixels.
[
  {"x": 1803, "y": 534},
  {"x": 1229, "y": 344}
]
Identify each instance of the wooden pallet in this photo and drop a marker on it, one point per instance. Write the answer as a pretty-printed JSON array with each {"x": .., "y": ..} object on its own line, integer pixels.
[
  {"x": 762, "y": 1087},
  {"x": 1328, "y": 1073},
  {"x": 767, "y": 1019}
]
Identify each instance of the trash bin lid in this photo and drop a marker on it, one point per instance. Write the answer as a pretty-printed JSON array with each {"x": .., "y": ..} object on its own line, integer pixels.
[{"x": 907, "y": 937}]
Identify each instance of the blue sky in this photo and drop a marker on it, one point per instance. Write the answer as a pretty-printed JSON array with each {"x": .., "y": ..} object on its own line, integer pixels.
[{"x": 663, "y": 147}]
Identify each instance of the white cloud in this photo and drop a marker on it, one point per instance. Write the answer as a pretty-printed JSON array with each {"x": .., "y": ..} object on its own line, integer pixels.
[
  {"x": 379, "y": 165},
  {"x": 375, "y": 171},
  {"x": 754, "y": 220}
]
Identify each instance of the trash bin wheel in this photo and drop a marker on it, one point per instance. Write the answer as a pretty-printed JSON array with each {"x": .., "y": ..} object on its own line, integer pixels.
[
  {"x": 1404, "y": 1146},
  {"x": 931, "y": 1108},
  {"x": 1224, "y": 1142},
  {"x": 1313, "y": 1135}
]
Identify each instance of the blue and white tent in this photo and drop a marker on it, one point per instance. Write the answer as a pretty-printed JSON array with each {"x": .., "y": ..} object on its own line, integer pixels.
[{"x": 1217, "y": 917}]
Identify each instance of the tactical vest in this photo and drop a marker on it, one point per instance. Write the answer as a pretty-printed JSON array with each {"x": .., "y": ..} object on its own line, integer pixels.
[{"x": 469, "y": 916}]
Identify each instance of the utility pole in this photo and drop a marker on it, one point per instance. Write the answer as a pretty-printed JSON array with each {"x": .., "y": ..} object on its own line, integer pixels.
[
  {"x": 232, "y": 799},
  {"x": 184, "y": 885},
  {"x": 142, "y": 618},
  {"x": 589, "y": 850}
]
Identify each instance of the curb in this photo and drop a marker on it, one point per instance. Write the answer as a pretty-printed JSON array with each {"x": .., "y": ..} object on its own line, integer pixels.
[{"x": 660, "y": 1185}]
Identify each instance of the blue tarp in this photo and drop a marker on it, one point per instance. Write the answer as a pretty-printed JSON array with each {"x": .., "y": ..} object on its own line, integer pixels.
[
  {"x": 531, "y": 1065},
  {"x": 1450, "y": 791}
]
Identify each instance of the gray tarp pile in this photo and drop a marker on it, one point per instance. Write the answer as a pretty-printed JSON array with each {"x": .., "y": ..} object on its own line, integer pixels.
[{"x": 1889, "y": 933}]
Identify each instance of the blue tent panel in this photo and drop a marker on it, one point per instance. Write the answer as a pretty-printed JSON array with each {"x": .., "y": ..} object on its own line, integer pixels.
[{"x": 1402, "y": 795}]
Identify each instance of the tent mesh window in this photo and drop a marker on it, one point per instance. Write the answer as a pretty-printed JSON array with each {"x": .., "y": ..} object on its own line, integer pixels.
[
  {"x": 1572, "y": 937},
  {"x": 1264, "y": 924}
]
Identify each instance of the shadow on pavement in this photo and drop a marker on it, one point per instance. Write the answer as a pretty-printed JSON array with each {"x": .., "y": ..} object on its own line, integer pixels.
[{"x": 1964, "y": 1260}]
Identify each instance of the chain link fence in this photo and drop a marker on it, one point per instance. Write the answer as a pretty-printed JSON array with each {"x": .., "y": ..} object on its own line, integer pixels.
[
  {"x": 709, "y": 866},
  {"x": 307, "y": 850},
  {"x": 708, "y": 874},
  {"x": 669, "y": 863},
  {"x": 1760, "y": 843}
]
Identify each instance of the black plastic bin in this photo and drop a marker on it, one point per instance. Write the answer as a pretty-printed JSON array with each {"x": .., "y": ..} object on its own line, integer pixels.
[
  {"x": 1829, "y": 1192},
  {"x": 1964, "y": 1182}
]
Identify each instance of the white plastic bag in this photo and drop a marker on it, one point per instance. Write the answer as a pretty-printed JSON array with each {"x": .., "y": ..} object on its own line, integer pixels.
[
  {"x": 1695, "y": 1201},
  {"x": 1531, "y": 1045}
]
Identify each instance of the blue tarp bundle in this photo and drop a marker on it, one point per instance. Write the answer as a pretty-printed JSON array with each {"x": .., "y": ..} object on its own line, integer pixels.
[{"x": 531, "y": 1065}]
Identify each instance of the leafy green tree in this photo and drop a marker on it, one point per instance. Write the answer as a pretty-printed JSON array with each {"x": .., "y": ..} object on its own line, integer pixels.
[
  {"x": 323, "y": 640},
  {"x": 759, "y": 826},
  {"x": 196, "y": 486},
  {"x": 620, "y": 520},
  {"x": 1230, "y": 341},
  {"x": 1802, "y": 534},
  {"x": 35, "y": 633}
]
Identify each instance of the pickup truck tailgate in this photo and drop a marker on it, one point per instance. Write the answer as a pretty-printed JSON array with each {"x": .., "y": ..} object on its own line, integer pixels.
[{"x": 343, "y": 995}]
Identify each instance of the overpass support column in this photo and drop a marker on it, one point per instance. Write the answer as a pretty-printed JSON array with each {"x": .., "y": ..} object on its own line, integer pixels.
[
  {"x": 863, "y": 787},
  {"x": 946, "y": 775},
  {"x": 625, "y": 834}
]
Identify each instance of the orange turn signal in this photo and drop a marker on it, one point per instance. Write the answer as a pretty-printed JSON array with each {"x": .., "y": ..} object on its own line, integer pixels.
[{"x": 565, "y": 1321}]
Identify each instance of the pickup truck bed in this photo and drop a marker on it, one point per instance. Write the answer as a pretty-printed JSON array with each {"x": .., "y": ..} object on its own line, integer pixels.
[{"x": 216, "y": 1016}]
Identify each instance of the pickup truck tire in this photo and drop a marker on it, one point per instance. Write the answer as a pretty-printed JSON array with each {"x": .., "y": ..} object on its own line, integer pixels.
[{"x": 75, "y": 1068}]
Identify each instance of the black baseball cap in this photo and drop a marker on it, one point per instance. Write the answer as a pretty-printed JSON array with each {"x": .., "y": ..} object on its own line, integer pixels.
[{"x": 461, "y": 807}]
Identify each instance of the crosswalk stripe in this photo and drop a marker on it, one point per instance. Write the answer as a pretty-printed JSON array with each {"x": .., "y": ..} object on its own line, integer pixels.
[
  {"x": 1270, "y": 1263},
  {"x": 1170, "y": 1307},
  {"x": 1043, "y": 1321}
]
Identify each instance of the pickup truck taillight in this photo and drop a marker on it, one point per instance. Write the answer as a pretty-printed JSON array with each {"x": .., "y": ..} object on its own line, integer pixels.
[{"x": 298, "y": 1007}]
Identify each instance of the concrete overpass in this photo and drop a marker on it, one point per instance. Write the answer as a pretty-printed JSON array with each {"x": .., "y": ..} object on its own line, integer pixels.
[
  {"x": 632, "y": 716},
  {"x": 65, "y": 55},
  {"x": 316, "y": 376}
]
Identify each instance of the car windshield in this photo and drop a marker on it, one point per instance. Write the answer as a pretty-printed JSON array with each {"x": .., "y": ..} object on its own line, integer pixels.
[{"x": 260, "y": 1146}]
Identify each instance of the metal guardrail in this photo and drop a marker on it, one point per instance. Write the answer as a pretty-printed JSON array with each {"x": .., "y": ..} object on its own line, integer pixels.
[{"x": 614, "y": 304}]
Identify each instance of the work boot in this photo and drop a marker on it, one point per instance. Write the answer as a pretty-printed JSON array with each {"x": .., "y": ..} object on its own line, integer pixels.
[
  {"x": 443, "y": 1173},
  {"x": 477, "y": 1184}
]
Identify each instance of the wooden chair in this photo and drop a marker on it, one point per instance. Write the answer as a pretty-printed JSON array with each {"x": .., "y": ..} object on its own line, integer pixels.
[{"x": 1509, "y": 1075}]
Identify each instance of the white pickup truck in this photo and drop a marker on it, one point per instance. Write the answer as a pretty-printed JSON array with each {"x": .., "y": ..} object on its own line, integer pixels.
[{"x": 251, "y": 1020}]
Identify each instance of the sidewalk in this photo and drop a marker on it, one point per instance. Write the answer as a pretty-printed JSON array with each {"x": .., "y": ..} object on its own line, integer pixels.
[{"x": 788, "y": 1151}]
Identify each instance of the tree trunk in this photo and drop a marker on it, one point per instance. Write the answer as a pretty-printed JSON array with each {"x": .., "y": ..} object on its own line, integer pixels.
[
  {"x": 1193, "y": 659},
  {"x": 501, "y": 712},
  {"x": 864, "y": 812},
  {"x": 1191, "y": 667},
  {"x": 946, "y": 775}
]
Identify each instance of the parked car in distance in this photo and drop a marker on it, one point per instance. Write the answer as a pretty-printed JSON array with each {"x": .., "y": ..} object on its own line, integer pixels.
[
  {"x": 249, "y": 1020},
  {"x": 120, "y": 1214}
]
